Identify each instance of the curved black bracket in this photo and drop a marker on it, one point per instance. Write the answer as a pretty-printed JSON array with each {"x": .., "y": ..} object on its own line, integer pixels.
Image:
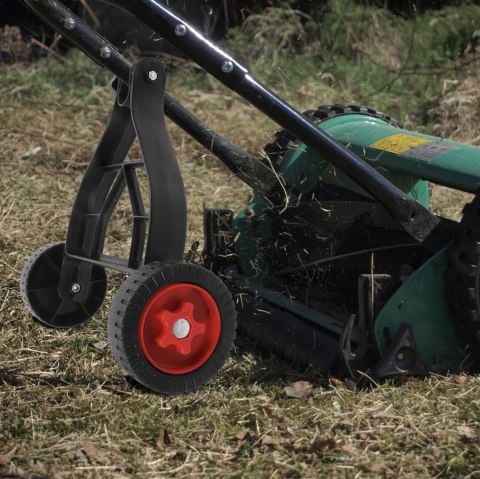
[
  {"x": 168, "y": 208},
  {"x": 138, "y": 111}
]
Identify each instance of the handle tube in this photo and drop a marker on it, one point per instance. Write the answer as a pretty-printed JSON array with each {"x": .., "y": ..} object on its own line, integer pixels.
[
  {"x": 414, "y": 218},
  {"x": 247, "y": 167}
]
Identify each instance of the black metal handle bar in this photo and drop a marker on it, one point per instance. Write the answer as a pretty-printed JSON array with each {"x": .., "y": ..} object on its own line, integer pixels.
[
  {"x": 415, "y": 219},
  {"x": 247, "y": 167}
]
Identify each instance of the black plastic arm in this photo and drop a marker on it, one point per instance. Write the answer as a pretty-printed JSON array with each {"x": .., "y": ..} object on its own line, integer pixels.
[{"x": 168, "y": 207}]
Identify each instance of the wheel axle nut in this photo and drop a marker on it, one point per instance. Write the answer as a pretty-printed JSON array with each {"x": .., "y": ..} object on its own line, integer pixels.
[
  {"x": 75, "y": 288},
  {"x": 181, "y": 328}
]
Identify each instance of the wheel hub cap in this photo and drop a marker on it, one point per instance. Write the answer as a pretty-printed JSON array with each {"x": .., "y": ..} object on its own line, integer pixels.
[{"x": 181, "y": 328}]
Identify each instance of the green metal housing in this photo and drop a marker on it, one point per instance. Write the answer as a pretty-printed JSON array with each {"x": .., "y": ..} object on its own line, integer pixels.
[{"x": 408, "y": 160}]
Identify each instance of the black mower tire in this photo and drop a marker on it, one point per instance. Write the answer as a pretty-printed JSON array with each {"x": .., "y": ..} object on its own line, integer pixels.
[
  {"x": 140, "y": 329},
  {"x": 283, "y": 140},
  {"x": 39, "y": 282},
  {"x": 463, "y": 276}
]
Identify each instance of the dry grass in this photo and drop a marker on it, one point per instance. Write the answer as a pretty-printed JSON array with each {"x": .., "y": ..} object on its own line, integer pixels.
[
  {"x": 66, "y": 409},
  {"x": 458, "y": 112}
]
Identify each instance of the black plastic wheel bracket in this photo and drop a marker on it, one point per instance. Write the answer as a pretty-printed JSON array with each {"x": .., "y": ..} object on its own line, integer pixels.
[
  {"x": 138, "y": 111},
  {"x": 168, "y": 208},
  {"x": 97, "y": 196}
]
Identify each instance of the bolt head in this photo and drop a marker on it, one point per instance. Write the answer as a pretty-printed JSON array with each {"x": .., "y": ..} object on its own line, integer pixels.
[
  {"x": 152, "y": 75},
  {"x": 230, "y": 271},
  {"x": 227, "y": 66},
  {"x": 180, "y": 30},
  {"x": 105, "y": 52},
  {"x": 181, "y": 328},
  {"x": 249, "y": 212},
  {"x": 69, "y": 23},
  {"x": 75, "y": 288}
]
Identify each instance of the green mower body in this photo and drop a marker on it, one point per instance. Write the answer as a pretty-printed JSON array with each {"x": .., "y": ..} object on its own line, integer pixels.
[{"x": 329, "y": 256}]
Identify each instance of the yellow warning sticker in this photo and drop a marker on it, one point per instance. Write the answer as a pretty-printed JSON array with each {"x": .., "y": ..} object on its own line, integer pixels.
[{"x": 399, "y": 143}]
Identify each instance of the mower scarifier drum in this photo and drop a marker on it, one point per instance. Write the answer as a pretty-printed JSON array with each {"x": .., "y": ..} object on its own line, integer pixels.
[{"x": 337, "y": 262}]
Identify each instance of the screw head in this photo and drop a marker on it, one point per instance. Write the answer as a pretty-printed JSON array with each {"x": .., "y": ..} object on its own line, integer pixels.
[
  {"x": 180, "y": 30},
  {"x": 152, "y": 75},
  {"x": 230, "y": 271},
  {"x": 227, "y": 66},
  {"x": 249, "y": 212},
  {"x": 75, "y": 288},
  {"x": 181, "y": 328},
  {"x": 69, "y": 23},
  {"x": 105, "y": 52}
]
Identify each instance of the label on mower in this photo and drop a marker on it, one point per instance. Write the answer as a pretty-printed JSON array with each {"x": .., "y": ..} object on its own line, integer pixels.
[
  {"x": 429, "y": 151},
  {"x": 399, "y": 143},
  {"x": 412, "y": 146}
]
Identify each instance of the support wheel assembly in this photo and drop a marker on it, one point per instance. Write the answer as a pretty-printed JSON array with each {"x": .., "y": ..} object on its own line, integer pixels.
[
  {"x": 172, "y": 326},
  {"x": 39, "y": 290}
]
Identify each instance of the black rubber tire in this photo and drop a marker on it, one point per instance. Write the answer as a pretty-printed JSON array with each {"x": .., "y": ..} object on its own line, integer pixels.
[
  {"x": 283, "y": 139},
  {"x": 38, "y": 288},
  {"x": 124, "y": 320},
  {"x": 463, "y": 276}
]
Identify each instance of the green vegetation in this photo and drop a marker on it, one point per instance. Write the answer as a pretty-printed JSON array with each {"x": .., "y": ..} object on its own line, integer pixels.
[
  {"x": 365, "y": 54},
  {"x": 67, "y": 411}
]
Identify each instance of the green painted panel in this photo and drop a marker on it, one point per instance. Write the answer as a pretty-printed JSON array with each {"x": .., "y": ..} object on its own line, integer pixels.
[
  {"x": 438, "y": 160},
  {"x": 304, "y": 166},
  {"x": 421, "y": 302}
]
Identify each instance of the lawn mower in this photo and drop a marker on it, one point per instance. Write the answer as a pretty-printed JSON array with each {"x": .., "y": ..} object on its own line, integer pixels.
[{"x": 338, "y": 261}]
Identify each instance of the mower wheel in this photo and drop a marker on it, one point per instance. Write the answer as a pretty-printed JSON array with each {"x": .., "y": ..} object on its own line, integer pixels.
[
  {"x": 171, "y": 326},
  {"x": 464, "y": 275},
  {"x": 283, "y": 139},
  {"x": 39, "y": 290}
]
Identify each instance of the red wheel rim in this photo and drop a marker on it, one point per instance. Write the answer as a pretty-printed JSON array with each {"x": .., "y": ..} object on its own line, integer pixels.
[{"x": 179, "y": 328}]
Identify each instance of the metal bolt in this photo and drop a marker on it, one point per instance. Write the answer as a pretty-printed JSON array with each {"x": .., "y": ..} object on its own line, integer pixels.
[
  {"x": 75, "y": 288},
  {"x": 249, "y": 212},
  {"x": 105, "y": 52},
  {"x": 180, "y": 30},
  {"x": 69, "y": 23},
  {"x": 152, "y": 75},
  {"x": 230, "y": 271},
  {"x": 181, "y": 328},
  {"x": 400, "y": 356},
  {"x": 227, "y": 66}
]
